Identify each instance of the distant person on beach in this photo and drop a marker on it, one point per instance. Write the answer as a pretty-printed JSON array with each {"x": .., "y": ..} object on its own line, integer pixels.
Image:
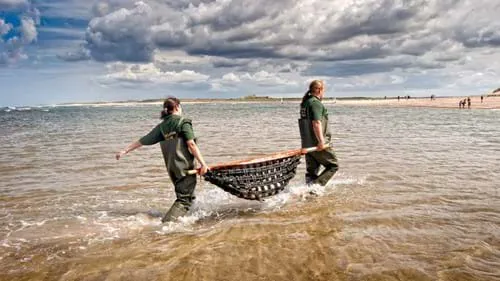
[
  {"x": 177, "y": 140},
  {"x": 482, "y": 99},
  {"x": 468, "y": 102},
  {"x": 314, "y": 132}
]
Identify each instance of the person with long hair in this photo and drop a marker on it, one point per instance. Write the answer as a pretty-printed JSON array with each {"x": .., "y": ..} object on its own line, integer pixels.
[
  {"x": 177, "y": 141},
  {"x": 315, "y": 132}
]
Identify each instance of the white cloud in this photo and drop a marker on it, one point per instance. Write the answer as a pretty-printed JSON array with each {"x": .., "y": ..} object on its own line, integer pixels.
[
  {"x": 149, "y": 73},
  {"x": 231, "y": 77},
  {"x": 4, "y": 28},
  {"x": 260, "y": 78},
  {"x": 28, "y": 30},
  {"x": 11, "y": 50}
]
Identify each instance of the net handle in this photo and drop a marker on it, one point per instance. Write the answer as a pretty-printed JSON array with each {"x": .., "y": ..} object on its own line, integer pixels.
[{"x": 301, "y": 151}]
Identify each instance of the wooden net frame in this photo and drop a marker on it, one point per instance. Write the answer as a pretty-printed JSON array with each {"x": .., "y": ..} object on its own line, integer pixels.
[{"x": 257, "y": 178}]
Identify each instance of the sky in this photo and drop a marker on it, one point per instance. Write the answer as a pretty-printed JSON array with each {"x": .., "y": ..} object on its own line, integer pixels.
[{"x": 70, "y": 51}]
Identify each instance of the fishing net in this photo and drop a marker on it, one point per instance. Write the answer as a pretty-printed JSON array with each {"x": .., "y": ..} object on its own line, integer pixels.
[{"x": 257, "y": 178}]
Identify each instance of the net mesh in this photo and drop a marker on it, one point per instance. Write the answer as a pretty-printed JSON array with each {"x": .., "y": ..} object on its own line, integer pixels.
[{"x": 255, "y": 180}]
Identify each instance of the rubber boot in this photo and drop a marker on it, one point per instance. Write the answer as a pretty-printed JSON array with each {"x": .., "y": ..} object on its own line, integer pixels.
[
  {"x": 177, "y": 210},
  {"x": 325, "y": 177},
  {"x": 310, "y": 179}
]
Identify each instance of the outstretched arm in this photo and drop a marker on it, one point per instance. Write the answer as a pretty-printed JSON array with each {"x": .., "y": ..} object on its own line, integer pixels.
[
  {"x": 193, "y": 148},
  {"x": 318, "y": 131},
  {"x": 130, "y": 147},
  {"x": 151, "y": 138}
]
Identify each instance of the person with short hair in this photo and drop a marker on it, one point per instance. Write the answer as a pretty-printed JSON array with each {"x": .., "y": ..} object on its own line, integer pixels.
[
  {"x": 177, "y": 141},
  {"x": 314, "y": 131}
]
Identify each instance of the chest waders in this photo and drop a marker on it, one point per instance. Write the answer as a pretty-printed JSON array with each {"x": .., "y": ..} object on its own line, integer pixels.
[
  {"x": 316, "y": 159},
  {"x": 178, "y": 160}
]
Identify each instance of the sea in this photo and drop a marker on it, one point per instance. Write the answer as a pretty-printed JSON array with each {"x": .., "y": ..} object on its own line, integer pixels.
[{"x": 416, "y": 196}]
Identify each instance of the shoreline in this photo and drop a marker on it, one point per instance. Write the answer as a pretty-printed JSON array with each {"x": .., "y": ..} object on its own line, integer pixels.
[{"x": 489, "y": 102}]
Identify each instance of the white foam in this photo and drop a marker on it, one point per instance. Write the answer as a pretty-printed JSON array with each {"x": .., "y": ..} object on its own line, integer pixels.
[
  {"x": 210, "y": 202},
  {"x": 294, "y": 193}
]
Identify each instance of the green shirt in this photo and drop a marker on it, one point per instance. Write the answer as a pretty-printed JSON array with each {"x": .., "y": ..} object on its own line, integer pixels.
[
  {"x": 170, "y": 123},
  {"x": 313, "y": 109}
]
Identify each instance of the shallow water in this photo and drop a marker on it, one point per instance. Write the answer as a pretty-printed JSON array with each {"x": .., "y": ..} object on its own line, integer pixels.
[{"x": 416, "y": 197}]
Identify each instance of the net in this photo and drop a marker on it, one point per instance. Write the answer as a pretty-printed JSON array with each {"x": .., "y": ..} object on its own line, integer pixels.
[{"x": 257, "y": 178}]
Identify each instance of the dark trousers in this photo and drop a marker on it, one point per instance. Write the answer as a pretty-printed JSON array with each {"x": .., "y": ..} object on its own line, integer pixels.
[
  {"x": 184, "y": 190},
  {"x": 314, "y": 161}
]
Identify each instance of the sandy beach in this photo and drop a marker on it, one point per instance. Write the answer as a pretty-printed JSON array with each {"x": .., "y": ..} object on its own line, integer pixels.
[{"x": 490, "y": 102}]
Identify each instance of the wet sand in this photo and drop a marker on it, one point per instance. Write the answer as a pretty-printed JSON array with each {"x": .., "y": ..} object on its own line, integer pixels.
[{"x": 491, "y": 102}]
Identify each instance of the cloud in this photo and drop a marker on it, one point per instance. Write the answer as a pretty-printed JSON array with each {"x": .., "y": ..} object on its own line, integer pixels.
[
  {"x": 4, "y": 28},
  {"x": 261, "y": 78},
  {"x": 28, "y": 30},
  {"x": 65, "y": 9},
  {"x": 79, "y": 55},
  {"x": 125, "y": 72},
  {"x": 14, "y": 5},
  {"x": 286, "y": 41},
  {"x": 100, "y": 9},
  {"x": 11, "y": 48},
  {"x": 254, "y": 65},
  {"x": 298, "y": 30},
  {"x": 122, "y": 35}
]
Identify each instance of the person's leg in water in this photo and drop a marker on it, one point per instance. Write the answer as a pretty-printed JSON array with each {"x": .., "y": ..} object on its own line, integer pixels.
[
  {"x": 184, "y": 190},
  {"x": 312, "y": 169},
  {"x": 327, "y": 159}
]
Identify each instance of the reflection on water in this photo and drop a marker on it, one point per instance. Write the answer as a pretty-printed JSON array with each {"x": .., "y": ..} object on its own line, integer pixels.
[{"x": 416, "y": 198}]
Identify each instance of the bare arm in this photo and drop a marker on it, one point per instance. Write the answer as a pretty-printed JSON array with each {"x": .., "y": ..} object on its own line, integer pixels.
[
  {"x": 130, "y": 147},
  {"x": 193, "y": 148},
  {"x": 318, "y": 132}
]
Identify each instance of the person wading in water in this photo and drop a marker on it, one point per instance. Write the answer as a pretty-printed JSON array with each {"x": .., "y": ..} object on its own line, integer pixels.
[
  {"x": 314, "y": 131},
  {"x": 177, "y": 141}
]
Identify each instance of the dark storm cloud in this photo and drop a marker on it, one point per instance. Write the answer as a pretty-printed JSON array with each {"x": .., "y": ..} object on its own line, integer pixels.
[
  {"x": 256, "y": 65},
  {"x": 228, "y": 63},
  {"x": 480, "y": 39},
  {"x": 123, "y": 35},
  {"x": 317, "y": 30},
  {"x": 362, "y": 67}
]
